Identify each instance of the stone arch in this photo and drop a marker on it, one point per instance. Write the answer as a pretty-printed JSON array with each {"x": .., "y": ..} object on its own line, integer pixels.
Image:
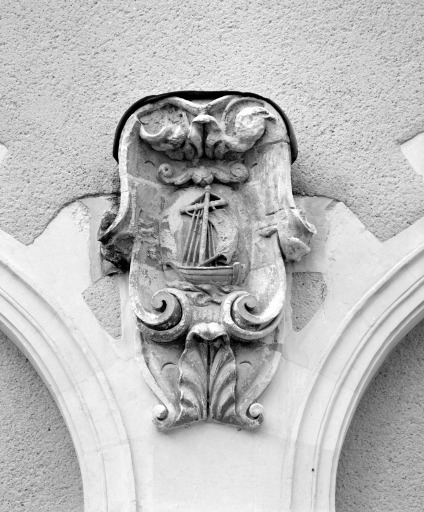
[
  {"x": 63, "y": 359},
  {"x": 373, "y": 327}
]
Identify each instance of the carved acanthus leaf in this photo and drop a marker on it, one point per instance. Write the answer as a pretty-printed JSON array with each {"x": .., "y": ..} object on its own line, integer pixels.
[
  {"x": 193, "y": 381},
  {"x": 222, "y": 381},
  {"x": 241, "y": 126},
  {"x": 207, "y": 376}
]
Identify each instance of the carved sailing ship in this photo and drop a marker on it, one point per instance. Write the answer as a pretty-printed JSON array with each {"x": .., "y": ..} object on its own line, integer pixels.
[
  {"x": 210, "y": 244},
  {"x": 207, "y": 348}
]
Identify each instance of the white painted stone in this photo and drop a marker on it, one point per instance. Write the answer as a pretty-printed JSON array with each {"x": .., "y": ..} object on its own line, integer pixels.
[
  {"x": 126, "y": 464},
  {"x": 413, "y": 151}
]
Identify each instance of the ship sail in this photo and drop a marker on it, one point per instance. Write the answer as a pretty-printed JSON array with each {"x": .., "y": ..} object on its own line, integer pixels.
[
  {"x": 209, "y": 238},
  {"x": 210, "y": 244},
  {"x": 226, "y": 235}
]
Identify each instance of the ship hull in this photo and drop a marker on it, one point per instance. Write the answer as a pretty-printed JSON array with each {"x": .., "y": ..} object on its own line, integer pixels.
[{"x": 224, "y": 275}]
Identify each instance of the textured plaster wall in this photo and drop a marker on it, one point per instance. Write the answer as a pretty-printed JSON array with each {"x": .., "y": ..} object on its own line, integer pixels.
[
  {"x": 38, "y": 466},
  {"x": 350, "y": 76},
  {"x": 382, "y": 463},
  {"x": 348, "y": 73}
]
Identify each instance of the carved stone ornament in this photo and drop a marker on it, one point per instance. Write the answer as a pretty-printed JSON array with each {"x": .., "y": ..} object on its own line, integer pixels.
[{"x": 206, "y": 220}]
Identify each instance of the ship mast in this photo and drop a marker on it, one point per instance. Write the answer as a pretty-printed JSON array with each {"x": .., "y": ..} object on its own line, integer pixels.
[
  {"x": 204, "y": 232},
  {"x": 199, "y": 247}
]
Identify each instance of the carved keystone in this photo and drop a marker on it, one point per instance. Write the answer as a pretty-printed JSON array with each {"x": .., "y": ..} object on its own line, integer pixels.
[{"x": 206, "y": 219}]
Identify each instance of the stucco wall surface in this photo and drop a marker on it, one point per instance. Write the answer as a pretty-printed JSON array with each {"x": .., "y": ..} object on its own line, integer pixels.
[
  {"x": 349, "y": 75},
  {"x": 38, "y": 467},
  {"x": 382, "y": 463}
]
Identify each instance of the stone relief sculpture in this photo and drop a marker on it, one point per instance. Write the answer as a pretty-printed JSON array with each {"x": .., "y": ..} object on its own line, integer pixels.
[{"x": 206, "y": 220}]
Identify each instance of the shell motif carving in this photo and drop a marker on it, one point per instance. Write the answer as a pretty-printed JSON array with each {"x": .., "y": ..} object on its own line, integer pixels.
[{"x": 205, "y": 224}]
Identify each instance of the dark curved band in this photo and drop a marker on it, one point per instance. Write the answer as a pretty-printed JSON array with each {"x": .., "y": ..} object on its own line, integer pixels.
[{"x": 200, "y": 95}]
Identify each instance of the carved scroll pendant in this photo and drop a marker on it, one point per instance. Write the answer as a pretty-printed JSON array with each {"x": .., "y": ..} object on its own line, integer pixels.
[{"x": 206, "y": 217}]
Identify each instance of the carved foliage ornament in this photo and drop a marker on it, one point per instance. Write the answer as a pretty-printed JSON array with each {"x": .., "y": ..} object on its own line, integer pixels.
[{"x": 205, "y": 222}]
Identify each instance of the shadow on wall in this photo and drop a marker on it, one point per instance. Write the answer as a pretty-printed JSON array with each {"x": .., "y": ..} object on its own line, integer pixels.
[
  {"x": 381, "y": 467},
  {"x": 39, "y": 468}
]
